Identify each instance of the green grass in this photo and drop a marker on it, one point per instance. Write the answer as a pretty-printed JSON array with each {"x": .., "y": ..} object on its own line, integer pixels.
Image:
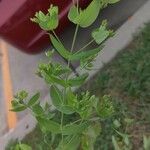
[{"x": 127, "y": 80}]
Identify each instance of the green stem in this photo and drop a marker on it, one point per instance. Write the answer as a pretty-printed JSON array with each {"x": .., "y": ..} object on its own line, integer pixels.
[
  {"x": 88, "y": 44},
  {"x": 61, "y": 126},
  {"x": 56, "y": 36},
  {"x": 74, "y": 135},
  {"x": 74, "y": 38}
]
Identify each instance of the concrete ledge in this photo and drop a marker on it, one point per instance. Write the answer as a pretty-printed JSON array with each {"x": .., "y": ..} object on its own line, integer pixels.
[{"x": 124, "y": 36}]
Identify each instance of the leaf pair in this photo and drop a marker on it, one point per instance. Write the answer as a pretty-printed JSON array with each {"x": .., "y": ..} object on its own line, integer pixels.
[
  {"x": 54, "y": 127},
  {"x": 105, "y": 107},
  {"x": 90, "y": 136},
  {"x": 57, "y": 99},
  {"x": 49, "y": 21},
  {"x": 83, "y": 17},
  {"x": 101, "y": 34},
  {"x": 86, "y": 17},
  {"x": 20, "y": 104},
  {"x": 69, "y": 56}
]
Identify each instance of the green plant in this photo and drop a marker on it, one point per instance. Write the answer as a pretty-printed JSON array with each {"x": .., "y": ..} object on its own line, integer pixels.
[{"x": 85, "y": 110}]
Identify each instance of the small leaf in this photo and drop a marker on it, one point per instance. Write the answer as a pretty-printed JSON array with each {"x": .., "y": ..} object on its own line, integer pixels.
[
  {"x": 73, "y": 14},
  {"x": 66, "y": 109},
  {"x": 113, "y": 1},
  {"x": 38, "y": 110},
  {"x": 115, "y": 144},
  {"x": 34, "y": 99},
  {"x": 18, "y": 108},
  {"x": 21, "y": 95},
  {"x": 61, "y": 71},
  {"x": 49, "y": 53},
  {"x": 90, "y": 136},
  {"x": 71, "y": 98},
  {"x": 51, "y": 79},
  {"x": 22, "y": 147},
  {"x": 129, "y": 121},
  {"x": 56, "y": 96},
  {"x": 116, "y": 123},
  {"x": 105, "y": 107},
  {"x": 146, "y": 142},
  {"x": 59, "y": 47},
  {"x": 85, "y": 54},
  {"x": 57, "y": 100},
  {"x": 101, "y": 34},
  {"x": 49, "y": 125},
  {"x": 49, "y": 21},
  {"x": 78, "y": 80},
  {"x": 74, "y": 128},
  {"x": 69, "y": 143}
]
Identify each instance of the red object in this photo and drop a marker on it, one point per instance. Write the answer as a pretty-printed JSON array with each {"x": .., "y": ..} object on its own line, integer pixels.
[{"x": 17, "y": 29}]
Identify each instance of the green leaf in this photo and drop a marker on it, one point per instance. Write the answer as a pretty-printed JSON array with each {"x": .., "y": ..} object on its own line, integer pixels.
[
  {"x": 101, "y": 34},
  {"x": 117, "y": 123},
  {"x": 66, "y": 109},
  {"x": 78, "y": 81},
  {"x": 113, "y": 1},
  {"x": 74, "y": 128},
  {"x": 18, "y": 108},
  {"x": 105, "y": 107},
  {"x": 73, "y": 14},
  {"x": 90, "y": 136},
  {"x": 48, "y": 125},
  {"x": 83, "y": 18},
  {"x": 21, "y": 95},
  {"x": 49, "y": 53},
  {"x": 146, "y": 143},
  {"x": 69, "y": 143},
  {"x": 34, "y": 99},
  {"x": 51, "y": 79},
  {"x": 57, "y": 100},
  {"x": 38, "y": 110},
  {"x": 59, "y": 47},
  {"x": 22, "y": 147},
  {"x": 71, "y": 98},
  {"x": 129, "y": 121},
  {"x": 115, "y": 144},
  {"x": 85, "y": 54},
  {"x": 56, "y": 96},
  {"x": 62, "y": 71},
  {"x": 125, "y": 137}
]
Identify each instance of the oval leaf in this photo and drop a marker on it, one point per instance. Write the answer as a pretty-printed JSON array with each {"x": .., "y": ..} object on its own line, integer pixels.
[
  {"x": 49, "y": 125},
  {"x": 66, "y": 109},
  {"x": 78, "y": 80},
  {"x": 69, "y": 143},
  {"x": 34, "y": 99},
  {"x": 18, "y": 108},
  {"x": 74, "y": 128},
  {"x": 85, "y": 54},
  {"x": 59, "y": 47},
  {"x": 101, "y": 34},
  {"x": 56, "y": 96}
]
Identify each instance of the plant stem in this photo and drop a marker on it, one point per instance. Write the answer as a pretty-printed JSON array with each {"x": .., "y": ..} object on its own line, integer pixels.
[
  {"x": 61, "y": 125},
  {"x": 56, "y": 36},
  {"x": 88, "y": 44},
  {"x": 74, "y": 38}
]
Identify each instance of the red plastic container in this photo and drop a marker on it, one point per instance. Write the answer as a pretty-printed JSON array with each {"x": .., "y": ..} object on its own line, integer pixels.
[{"x": 17, "y": 29}]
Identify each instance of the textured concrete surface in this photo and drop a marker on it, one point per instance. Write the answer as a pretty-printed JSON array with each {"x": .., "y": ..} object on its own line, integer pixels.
[{"x": 23, "y": 66}]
